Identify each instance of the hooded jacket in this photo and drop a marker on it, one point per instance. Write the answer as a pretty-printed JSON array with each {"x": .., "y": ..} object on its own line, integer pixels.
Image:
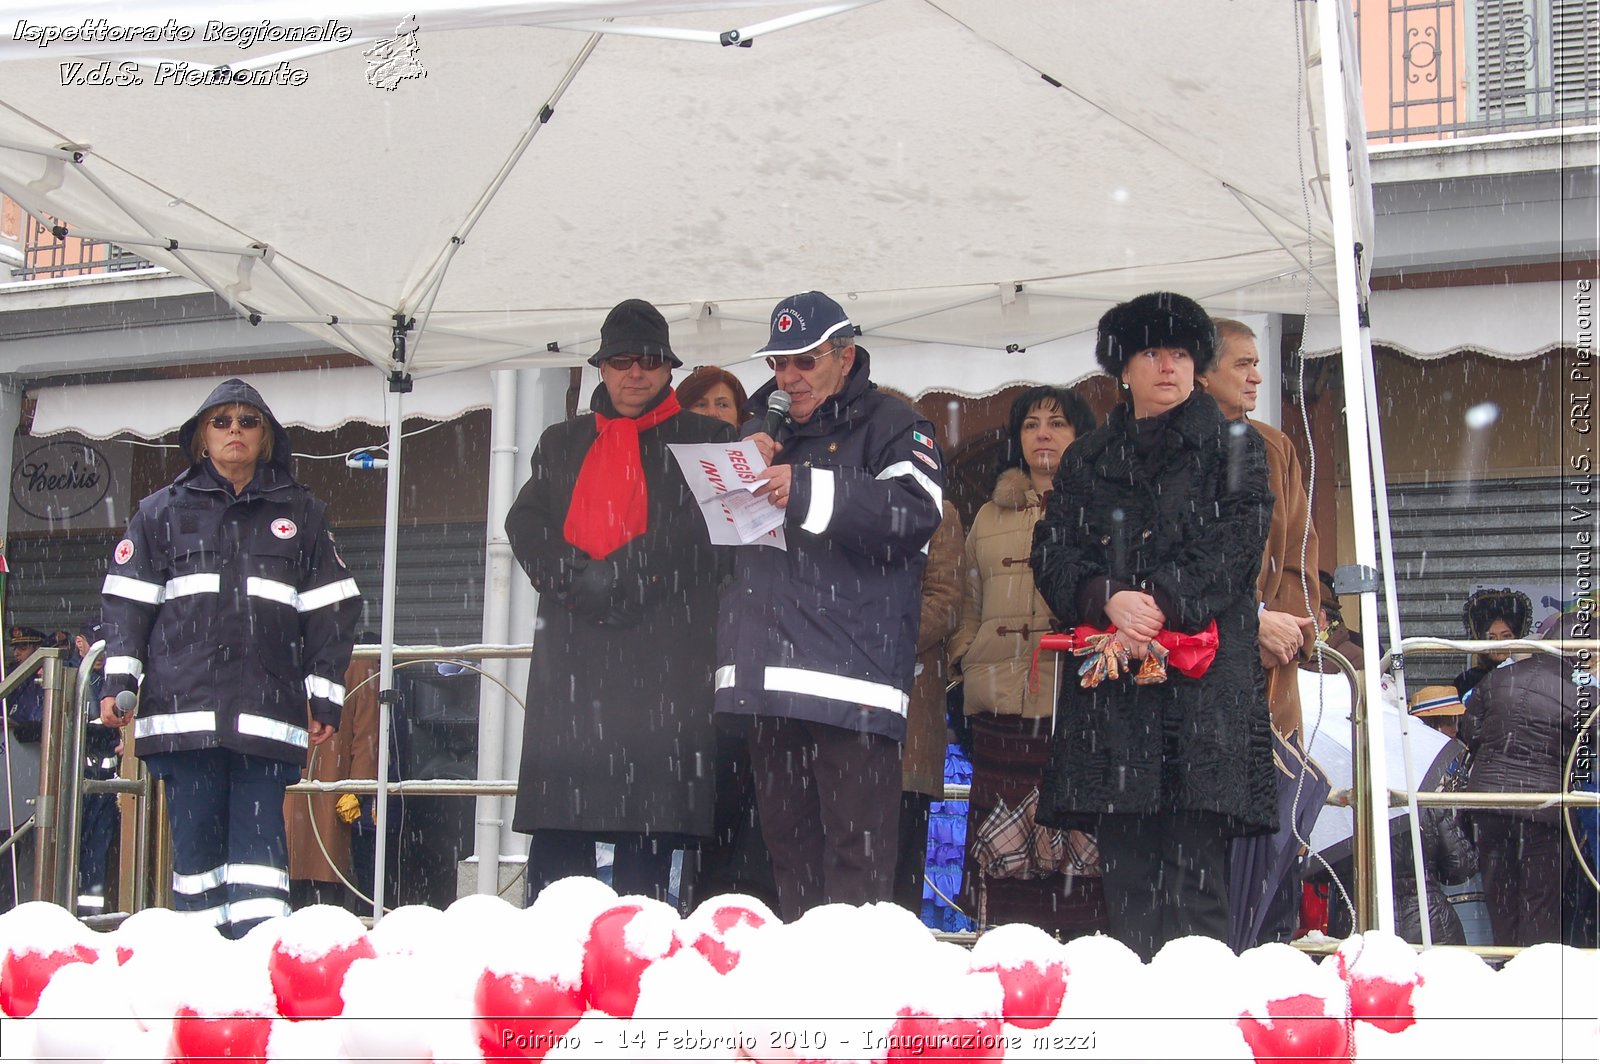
[
  {"x": 230, "y": 613},
  {"x": 826, "y": 631}
]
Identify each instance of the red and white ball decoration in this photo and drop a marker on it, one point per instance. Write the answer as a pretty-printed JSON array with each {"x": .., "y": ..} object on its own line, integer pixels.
[{"x": 586, "y": 975}]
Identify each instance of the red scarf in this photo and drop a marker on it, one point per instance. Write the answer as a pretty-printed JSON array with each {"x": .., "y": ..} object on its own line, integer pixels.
[{"x": 609, "y": 506}]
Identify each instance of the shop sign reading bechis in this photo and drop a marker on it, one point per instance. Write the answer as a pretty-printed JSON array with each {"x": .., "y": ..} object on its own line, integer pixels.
[{"x": 59, "y": 480}]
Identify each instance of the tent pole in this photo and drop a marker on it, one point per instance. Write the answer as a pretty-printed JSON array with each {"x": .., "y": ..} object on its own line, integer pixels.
[
  {"x": 1391, "y": 605},
  {"x": 388, "y": 697},
  {"x": 1356, "y": 355},
  {"x": 496, "y": 626}
]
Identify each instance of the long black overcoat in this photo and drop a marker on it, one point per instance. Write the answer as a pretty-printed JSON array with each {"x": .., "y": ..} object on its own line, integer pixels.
[
  {"x": 618, "y": 733},
  {"x": 1189, "y": 525}
]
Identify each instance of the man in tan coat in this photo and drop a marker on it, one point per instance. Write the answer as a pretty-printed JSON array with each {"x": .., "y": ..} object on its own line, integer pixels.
[
  {"x": 1265, "y": 897},
  {"x": 1288, "y": 609}
]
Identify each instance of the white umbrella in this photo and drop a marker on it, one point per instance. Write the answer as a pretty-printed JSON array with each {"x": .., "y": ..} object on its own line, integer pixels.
[{"x": 1325, "y": 708}]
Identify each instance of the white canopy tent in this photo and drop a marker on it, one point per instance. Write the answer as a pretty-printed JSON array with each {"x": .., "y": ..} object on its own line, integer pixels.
[{"x": 970, "y": 173}]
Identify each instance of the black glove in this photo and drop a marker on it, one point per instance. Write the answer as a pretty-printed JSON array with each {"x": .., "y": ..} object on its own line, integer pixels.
[
  {"x": 567, "y": 570},
  {"x": 592, "y": 591},
  {"x": 621, "y": 615}
]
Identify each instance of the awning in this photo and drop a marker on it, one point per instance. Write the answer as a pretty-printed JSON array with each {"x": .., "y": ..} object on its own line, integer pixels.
[
  {"x": 314, "y": 399},
  {"x": 1503, "y": 320}
]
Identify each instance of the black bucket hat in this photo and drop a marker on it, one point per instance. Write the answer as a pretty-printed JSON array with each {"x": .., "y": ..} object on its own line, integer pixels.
[{"x": 634, "y": 327}]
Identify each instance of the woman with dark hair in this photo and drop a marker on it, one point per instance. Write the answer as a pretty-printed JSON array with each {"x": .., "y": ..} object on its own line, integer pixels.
[
  {"x": 1519, "y": 728},
  {"x": 714, "y": 392},
  {"x": 1002, "y": 621},
  {"x": 230, "y": 613},
  {"x": 1154, "y": 536},
  {"x": 1489, "y": 614}
]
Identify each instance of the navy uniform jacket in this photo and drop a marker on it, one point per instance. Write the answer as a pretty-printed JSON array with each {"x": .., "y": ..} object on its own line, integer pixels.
[
  {"x": 236, "y": 611},
  {"x": 827, "y": 630}
]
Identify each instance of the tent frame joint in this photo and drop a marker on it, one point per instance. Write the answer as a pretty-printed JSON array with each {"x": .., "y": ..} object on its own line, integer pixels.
[{"x": 1355, "y": 580}]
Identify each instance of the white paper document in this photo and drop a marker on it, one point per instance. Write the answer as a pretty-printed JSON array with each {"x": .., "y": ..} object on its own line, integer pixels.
[{"x": 722, "y": 478}]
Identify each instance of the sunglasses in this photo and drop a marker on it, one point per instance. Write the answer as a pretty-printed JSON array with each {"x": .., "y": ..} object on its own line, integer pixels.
[
  {"x": 225, "y": 421},
  {"x": 803, "y": 363},
  {"x": 646, "y": 362}
]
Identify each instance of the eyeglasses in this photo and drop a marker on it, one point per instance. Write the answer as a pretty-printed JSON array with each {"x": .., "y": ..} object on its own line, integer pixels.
[
  {"x": 225, "y": 421},
  {"x": 803, "y": 363},
  {"x": 646, "y": 362}
]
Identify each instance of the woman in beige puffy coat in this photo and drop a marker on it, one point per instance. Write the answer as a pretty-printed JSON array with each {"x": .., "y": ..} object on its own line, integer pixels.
[{"x": 1002, "y": 620}]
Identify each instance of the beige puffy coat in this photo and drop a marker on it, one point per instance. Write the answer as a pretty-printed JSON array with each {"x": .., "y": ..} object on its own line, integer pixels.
[{"x": 1002, "y": 616}]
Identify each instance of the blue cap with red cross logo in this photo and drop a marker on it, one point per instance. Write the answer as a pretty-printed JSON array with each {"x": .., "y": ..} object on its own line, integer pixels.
[{"x": 801, "y": 322}]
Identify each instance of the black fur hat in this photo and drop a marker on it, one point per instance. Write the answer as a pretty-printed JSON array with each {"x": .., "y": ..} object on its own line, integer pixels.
[
  {"x": 1482, "y": 607},
  {"x": 1156, "y": 319}
]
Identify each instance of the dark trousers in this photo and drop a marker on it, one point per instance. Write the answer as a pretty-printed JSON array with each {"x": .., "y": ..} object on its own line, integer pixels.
[
  {"x": 230, "y": 857},
  {"x": 735, "y": 861},
  {"x": 641, "y": 864},
  {"x": 306, "y": 892},
  {"x": 911, "y": 859},
  {"x": 1164, "y": 877},
  {"x": 830, "y": 809},
  {"x": 99, "y": 821},
  {"x": 1522, "y": 863}
]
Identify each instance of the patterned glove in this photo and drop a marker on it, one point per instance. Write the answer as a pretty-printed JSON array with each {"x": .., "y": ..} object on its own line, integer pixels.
[
  {"x": 1104, "y": 659},
  {"x": 1154, "y": 667}
]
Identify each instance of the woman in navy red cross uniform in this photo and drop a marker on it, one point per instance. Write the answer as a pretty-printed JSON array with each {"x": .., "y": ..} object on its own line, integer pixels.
[{"x": 230, "y": 613}]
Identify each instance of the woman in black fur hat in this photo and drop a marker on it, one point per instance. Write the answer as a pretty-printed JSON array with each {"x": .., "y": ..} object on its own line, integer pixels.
[
  {"x": 1489, "y": 614},
  {"x": 1155, "y": 529}
]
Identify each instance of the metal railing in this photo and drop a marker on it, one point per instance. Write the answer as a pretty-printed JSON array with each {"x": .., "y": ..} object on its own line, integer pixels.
[
  {"x": 57, "y": 818},
  {"x": 1438, "y": 69},
  {"x": 49, "y": 251},
  {"x": 62, "y": 783}
]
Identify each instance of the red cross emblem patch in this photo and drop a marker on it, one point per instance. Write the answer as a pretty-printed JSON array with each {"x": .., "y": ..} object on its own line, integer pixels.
[
  {"x": 785, "y": 322},
  {"x": 124, "y": 552},
  {"x": 284, "y": 528}
]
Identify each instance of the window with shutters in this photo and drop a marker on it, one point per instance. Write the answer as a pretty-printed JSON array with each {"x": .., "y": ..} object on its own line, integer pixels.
[{"x": 1532, "y": 60}]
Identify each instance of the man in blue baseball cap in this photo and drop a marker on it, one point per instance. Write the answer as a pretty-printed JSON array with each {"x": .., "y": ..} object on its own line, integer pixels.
[{"x": 817, "y": 644}]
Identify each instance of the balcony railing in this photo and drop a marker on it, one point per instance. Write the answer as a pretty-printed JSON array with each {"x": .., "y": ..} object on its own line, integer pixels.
[
  {"x": 1438, "y": 69},
  {"x": 47, "y": 255}
]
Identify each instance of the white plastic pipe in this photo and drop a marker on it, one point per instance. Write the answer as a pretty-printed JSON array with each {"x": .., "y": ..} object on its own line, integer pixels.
[
  {"x": 391, "y": 542},
  {"x": 500, "y": 571}
]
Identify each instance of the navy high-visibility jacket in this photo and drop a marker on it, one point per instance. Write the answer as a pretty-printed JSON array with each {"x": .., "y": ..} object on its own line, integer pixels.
[
  {"x": 230, "y": 613},
  {"x": 826, "y": 630}
]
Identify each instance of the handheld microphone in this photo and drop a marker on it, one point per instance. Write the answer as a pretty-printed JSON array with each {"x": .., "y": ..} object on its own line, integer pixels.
[
  {"x": 777, "y": 410},
  {"x": 126, "y": 701}
]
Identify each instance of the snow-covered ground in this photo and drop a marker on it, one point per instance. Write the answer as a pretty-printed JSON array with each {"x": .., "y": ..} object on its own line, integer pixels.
[{"x": 585, "y": 976}]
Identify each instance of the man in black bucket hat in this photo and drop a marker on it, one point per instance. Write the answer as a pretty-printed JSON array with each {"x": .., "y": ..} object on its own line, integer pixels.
[{"x": 618, "y": 744}]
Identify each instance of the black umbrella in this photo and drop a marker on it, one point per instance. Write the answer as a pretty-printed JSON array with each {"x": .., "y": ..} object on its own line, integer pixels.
[{"x": 1259, "y": 866}]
